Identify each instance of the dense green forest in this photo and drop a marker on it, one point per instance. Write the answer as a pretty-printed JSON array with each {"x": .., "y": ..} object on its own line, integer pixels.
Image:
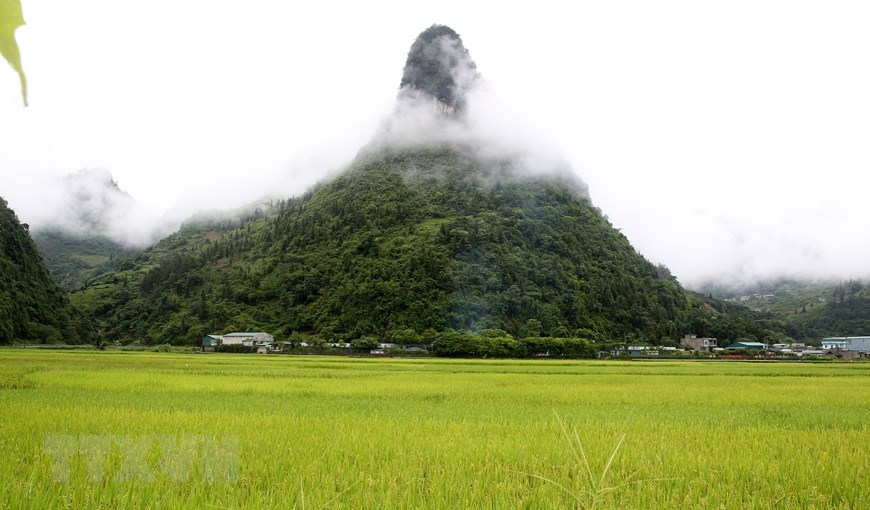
[{"x": 32, "y": 306}]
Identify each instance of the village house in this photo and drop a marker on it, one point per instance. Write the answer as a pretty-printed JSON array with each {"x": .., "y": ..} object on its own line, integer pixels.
[
  {"x": 247, "y": 339},
  {"x": 698, "y": 344},
  {"x": 835, "y": 343},
  {"x": 210, "y": 342},
  {"x": 259, "y": 339},
  {"x": 847, "y": 343}
]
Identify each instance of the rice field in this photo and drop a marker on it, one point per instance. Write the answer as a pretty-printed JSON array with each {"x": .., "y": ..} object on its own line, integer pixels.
[{"x": 166, "y": 430}]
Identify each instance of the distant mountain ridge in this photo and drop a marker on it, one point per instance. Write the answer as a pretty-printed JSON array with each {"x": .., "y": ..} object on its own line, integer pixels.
[{"x": 806, "y": 310}]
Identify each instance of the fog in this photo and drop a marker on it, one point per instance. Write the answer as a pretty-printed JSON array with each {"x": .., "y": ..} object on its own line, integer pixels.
[
  {"x": 89, "y": 204},
  {"x": 467, "y": 116},
  {"x": 725, "y": 141}
]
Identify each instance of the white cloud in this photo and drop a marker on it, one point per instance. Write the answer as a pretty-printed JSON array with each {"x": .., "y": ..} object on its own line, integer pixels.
[{"x": 753, "y": 112}]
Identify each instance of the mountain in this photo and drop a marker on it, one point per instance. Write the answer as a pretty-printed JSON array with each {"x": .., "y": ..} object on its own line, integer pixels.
[
  {"x": 32, "y": 306},
  {"x": 806, "y": 310},
  {"x": 91, "y": 222},
  {"x": 415, "y": 240},
  {"x": 73, "y": 259},
  {"x": 88, "y": 203},
  {"x": 440, "y": 68},
  {"x": 434, "y": 227}
]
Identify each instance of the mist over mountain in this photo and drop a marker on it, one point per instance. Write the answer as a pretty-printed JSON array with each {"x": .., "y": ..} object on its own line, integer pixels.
[
  {"x": 84, "y": 220},
  {"x": 445, "y": 221},
  {"x": 444, "y": 101},
  {"x": 440, "y": 67},
  {"x": 90, "y": 204},
  {"x": 734, "y": 158}
]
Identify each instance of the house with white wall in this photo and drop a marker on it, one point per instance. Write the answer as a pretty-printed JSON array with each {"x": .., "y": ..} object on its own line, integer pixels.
[
  {"x": 698, "y": 344},
  {"x": 247, "y": 339}
]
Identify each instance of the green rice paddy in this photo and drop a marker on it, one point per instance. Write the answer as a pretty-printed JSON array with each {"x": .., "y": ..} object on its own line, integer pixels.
[{"x": 282, "y": 431}]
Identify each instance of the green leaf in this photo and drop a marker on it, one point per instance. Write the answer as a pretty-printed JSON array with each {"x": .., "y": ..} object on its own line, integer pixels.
[{"x": 10, "y": 19}]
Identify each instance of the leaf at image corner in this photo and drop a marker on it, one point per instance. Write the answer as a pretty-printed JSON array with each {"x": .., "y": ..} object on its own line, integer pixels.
[{"x": 10, "y": 19}]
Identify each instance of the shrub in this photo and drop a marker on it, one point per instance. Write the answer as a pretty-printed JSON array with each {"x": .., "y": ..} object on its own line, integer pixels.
[{"x": 366, "y": 342}]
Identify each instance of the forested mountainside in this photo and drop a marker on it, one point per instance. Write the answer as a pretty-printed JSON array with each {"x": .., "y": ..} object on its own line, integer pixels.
[
  {"x": 32, "y": 306},
  {"x": 420, "y": 241},
  {"x": 414, "y": 241},
  {"x": 804, "y": 309},
  {"x": 73, "y": 259}
]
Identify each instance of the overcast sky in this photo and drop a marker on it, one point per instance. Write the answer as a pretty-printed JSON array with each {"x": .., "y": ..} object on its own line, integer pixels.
[{"x": 725, "y": 139}]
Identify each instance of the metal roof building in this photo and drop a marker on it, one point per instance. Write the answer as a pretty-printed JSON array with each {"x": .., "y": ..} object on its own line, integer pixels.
[
  {"x": 848, "y": 343},
  {"x": 749, "y": 346}
]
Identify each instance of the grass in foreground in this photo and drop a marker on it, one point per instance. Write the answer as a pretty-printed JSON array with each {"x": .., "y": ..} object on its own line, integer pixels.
[{"x": 323, "y": 432}]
